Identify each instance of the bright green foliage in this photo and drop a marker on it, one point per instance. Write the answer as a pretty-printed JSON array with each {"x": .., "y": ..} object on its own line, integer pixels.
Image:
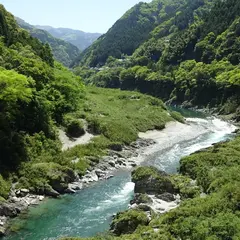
[
  {"x": 117, "y": 116},
  {"x": 39, "y": 177},
  {"x": 145, "y": 172},
  {"x": 15, "y": 94},
  {"x": 35, "y": 93},
  {"x": 120, "y": 115},
  {"x": 177, "y": 116},
  {"x": 14, "y": 87}
]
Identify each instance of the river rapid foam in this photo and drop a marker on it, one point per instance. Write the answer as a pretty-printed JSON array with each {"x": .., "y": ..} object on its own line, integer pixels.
[{"x": 90, "y": 211}]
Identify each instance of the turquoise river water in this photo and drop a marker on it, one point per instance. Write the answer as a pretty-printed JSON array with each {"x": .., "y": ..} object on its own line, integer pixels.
[{"x": 90, "y": 211}]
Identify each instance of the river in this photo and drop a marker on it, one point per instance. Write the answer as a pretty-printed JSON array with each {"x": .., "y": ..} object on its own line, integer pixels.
[{"x": 89, "y": 211}]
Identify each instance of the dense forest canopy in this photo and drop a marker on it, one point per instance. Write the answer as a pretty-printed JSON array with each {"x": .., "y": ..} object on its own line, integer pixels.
[
  {"x": 189, "y": 55},
  {"x": 35, "y": 91}
]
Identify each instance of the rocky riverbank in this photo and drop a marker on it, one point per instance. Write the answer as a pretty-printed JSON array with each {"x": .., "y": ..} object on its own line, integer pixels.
[
  {"x": 155, "y": 192},
  {"x": 20, "y": 199},
  {"x": 118, "y": 157}
]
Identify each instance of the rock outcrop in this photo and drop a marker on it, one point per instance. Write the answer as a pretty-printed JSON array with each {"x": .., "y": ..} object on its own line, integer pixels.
[
  {"x": 128, "y": 221},
  {"x": 151, "y": 181}
]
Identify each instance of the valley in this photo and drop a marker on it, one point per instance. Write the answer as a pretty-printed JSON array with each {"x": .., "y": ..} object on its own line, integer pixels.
[{"x": 132, "y": 134}]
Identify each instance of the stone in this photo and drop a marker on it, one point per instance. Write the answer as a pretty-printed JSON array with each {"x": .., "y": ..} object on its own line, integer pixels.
[
  {"x": 111, "y": 163},
  {"x": 167, "y": 197},
  {"x": 75, "y": 186},
  {"x": 116, "y": 147},
  {"x": 76, "y": 160},
  {"x": 8, "y": 209},
  {"x": 2, "y": 231},
  {"x": 51, "y": 192},
  {"x": 109, "y": 176},
  {"x": 40, "y": 198},
  {"x": 144, "y": 207},
  {"x": 120, "y": 161},
  {"x": 122, "y": 225},
  {"x": 100, "y": 173},
  {"x": 58, "y": 185},
  {"x": 70, "y": 191},
  {"x": 151, "y": 181}
]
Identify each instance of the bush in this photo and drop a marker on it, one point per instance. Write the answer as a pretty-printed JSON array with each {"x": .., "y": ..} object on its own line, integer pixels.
[
  {"x": 75, "y": 129},
  {"x": 4, "y": 188},
  {"x": 177, "y": 116},
  {"x": 128, "y": 221}
]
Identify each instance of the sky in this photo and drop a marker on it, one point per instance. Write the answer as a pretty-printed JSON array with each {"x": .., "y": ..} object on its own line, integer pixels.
[{"x": 85, "y": 15}]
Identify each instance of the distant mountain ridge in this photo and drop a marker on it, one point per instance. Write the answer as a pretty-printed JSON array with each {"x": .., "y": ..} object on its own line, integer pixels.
[
  {"x": 63, "y": 51},
  {"x": 76, "y": 37}
]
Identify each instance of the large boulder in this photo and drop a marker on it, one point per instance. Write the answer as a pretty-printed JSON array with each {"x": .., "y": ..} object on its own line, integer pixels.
[
  {"x": 128, "y": 221},
  {"x": 167, "y": 197},
  {"x": 150, "y": 180},
  {"x": 8, "y": 210}
]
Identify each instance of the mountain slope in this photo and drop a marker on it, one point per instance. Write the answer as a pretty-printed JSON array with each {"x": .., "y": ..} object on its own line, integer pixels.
[
  {"x": 76, "y": 37},
  {"x": 191, "y": 58},
  {"x": 35, "y": 94},
  {"x": 131, "y": 30},
  {"x": 63, "y": 51}
]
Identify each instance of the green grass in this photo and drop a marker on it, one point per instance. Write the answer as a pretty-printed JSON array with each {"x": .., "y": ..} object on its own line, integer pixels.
[
  {"x": 120, "y": 115},
  {"x": 115, "y": 117}
]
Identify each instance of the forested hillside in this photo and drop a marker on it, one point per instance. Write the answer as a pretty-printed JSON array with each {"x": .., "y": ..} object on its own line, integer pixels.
[
  {"x": 129, "y": 31},
  {"x": 35, "y": 94},
  {"x": 38, "y": 97},
  {"x": 190, "y": 56},
  {"x": 76, "y": 37},
  {"x": 63, "y": 51}
]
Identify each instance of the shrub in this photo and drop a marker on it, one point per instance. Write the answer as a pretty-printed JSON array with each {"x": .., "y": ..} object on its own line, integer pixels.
[
  {"x": 4, "y": 188},
  {"x": 177, "y": 116},
  {"x": 75, "y": 128}
]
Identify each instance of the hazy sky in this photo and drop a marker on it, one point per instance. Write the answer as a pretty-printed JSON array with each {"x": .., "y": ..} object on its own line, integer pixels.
[{"x": 85, "y": 15}]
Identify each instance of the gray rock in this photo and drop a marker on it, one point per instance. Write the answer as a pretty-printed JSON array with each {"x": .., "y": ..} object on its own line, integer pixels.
[
  {"x": 40, "y": 198},
  {"x": 109, "y": 176},
  {"x": 144, "y": 207},
  {"x": 8, "y": 209},
  {"x": 70, "y": 191},
  {"x": 51, "y": 192},
  {"x": 116, "y": 147},
  {"x": 100, "y": 173},
  {"x": 157, "y": 182},
  {"x": 76, "y": 160},
  {"x": 22, "y": 192},
  {"x": 167, "y": 197},
  {"x": 75, "y": 186},
  {"x": 111, "y": 163},
  {"x": 120, "y": 161}
]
